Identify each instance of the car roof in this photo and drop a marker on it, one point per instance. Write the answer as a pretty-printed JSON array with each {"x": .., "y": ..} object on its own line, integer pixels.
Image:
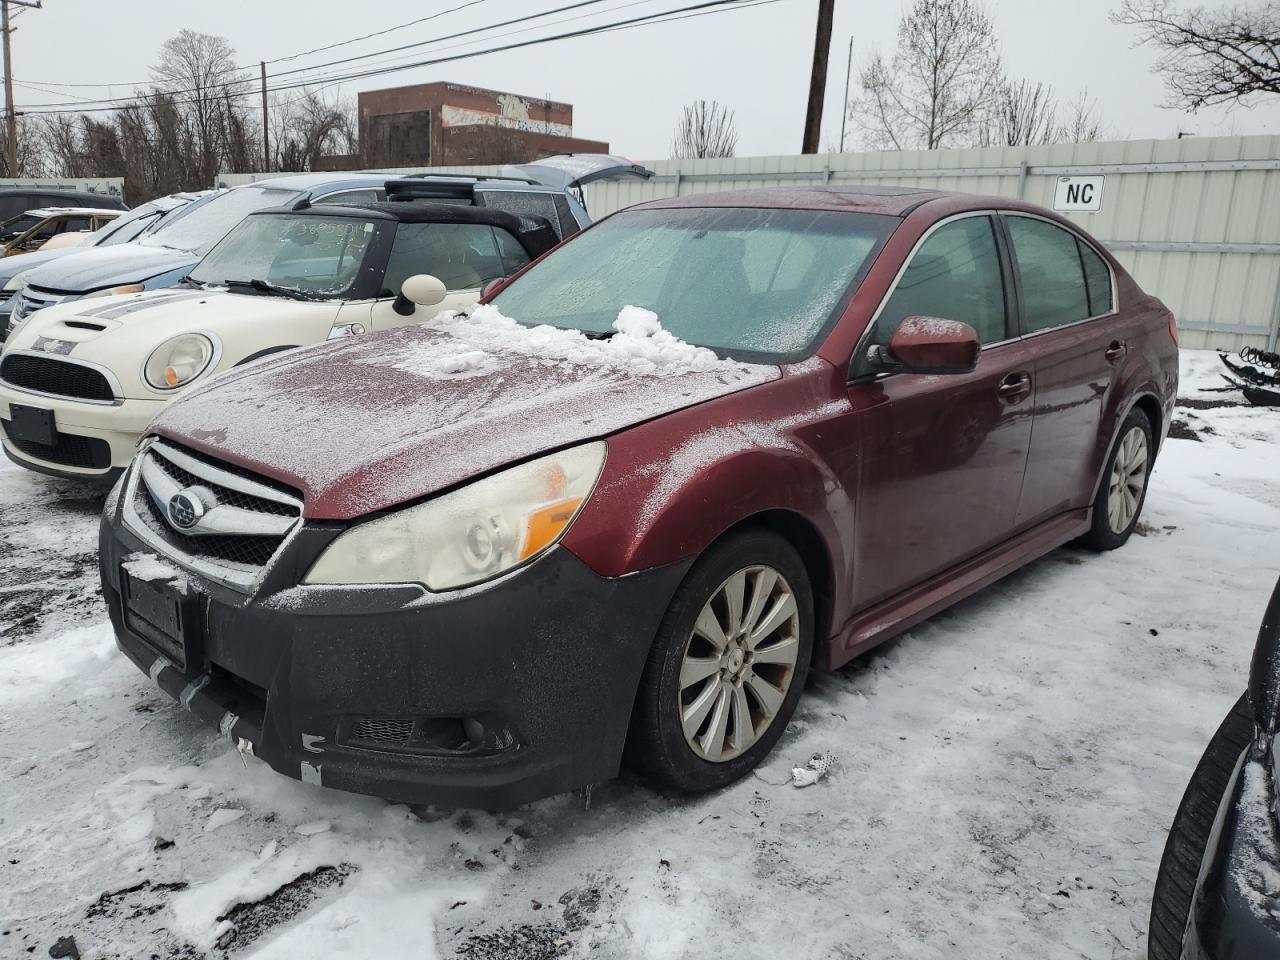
[
  {"x": 302, "y": 182},
  {"x": 404, "y": 211},
  {"x": 887, "y": 201},
  {"x": 75, "y": 211}
]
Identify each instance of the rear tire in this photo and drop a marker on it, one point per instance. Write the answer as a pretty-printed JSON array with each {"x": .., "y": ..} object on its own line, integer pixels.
[
  {"x": 1189, "y": 835},
  {"x": 719, "y": 687},
  {"x": 1123, "y": 488}
]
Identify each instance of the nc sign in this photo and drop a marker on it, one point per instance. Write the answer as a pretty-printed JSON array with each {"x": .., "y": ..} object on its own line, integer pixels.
[{"x": 1078, "y": 194}]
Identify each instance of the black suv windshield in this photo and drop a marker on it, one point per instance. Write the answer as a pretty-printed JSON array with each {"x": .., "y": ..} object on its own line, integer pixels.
[
  {"x": 313, "y": 255},
  {"x": 760, "y": 284}
]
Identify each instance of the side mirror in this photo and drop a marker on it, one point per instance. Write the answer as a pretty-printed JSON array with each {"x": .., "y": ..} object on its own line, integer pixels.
[
  {"x": 420, "y": 290},
  {"x": 929, "y": 345},
  {"x": 492, "y": 287}
]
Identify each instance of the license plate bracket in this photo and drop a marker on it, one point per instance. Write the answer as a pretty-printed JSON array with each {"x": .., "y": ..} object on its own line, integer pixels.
[
  {"x": 167, "y": 618},
  {"x": 32, "y": 424}
]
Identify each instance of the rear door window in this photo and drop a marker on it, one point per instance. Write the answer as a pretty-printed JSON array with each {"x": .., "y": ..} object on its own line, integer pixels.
[
  {"x": 463, "y": 256},
  {"x": 1048, "y": 257},
  {"x": 352, "y": 197},
  {"x": 523, "y": 203},
  {"x": 955, "y": 275}
]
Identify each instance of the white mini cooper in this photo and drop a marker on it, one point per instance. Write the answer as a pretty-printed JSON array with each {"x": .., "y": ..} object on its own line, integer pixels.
[{"x": 79, "y": 382}]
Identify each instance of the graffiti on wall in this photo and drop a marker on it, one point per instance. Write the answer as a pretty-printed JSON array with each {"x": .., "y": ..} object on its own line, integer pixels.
[{"x": 513, "y": 113}]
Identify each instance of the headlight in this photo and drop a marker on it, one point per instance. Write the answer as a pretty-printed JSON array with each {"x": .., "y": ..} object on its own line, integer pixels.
[
  {"x": 17, "y": 281},
  {"x": 115, "y": 291},
  {"x": 472, "y": 534},
  {"x": 177, "y": 362}
]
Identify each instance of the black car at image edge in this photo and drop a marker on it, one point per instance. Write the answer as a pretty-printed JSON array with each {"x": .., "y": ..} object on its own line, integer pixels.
[{"x": 1217, "y": 895}]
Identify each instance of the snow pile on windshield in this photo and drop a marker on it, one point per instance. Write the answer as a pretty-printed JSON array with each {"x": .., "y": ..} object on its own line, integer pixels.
[{"x": 638, "y": 344}]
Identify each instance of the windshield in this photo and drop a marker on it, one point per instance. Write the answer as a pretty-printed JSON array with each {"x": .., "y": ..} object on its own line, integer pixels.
[
  {"x": 748, "y": 283},
  {"x": 201, "y": 228},
  {"x": 19, "y": 224},
  {"x": 318, "y": 256}
]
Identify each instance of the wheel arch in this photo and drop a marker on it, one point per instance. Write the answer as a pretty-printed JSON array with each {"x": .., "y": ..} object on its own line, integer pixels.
[{"x": 801, "y": 533}]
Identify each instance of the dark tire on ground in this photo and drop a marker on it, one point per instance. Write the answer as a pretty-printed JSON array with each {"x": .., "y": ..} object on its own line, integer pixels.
[
  {"x": 656, "y": 745},
  {"x": 1101, "y": 537},
  {"x": 1189, "y": 835}
]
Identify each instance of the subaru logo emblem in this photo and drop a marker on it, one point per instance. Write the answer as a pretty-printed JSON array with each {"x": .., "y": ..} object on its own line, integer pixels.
[{"x": 185, "y": 509}]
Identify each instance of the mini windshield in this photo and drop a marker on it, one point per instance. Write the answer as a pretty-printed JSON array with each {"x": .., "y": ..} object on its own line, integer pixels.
[
  {"x": 312, "y": 255},
  {"x": 197, "y": 231},
  {"x": 761, "y": 284}
]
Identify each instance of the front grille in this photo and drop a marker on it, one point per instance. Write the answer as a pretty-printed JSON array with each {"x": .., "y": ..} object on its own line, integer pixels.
[
  {"x": 251, "y": 516},
  {"x": 233, "y": 498},
  {"x": 54, "y": 376},
  {"x": 89, "y": 453},
  {"x": 250, "y": 551},
  {"x": 381, "y": 730},
  {"x": 32, "y": 299}
]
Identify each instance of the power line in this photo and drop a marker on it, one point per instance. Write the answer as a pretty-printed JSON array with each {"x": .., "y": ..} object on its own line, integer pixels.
[
  {"x": 697, "y": 9},
  {"x": 137, "y": 98}
]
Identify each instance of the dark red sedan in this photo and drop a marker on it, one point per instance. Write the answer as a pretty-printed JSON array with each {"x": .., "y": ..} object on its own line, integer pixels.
[{"x": 700, "y": 448}]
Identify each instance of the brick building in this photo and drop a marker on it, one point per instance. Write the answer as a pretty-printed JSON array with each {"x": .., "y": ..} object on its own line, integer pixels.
[{"x": 441, "y": 124}]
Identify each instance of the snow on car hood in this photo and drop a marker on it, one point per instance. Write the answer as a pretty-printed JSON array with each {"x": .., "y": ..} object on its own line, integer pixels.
[
  {"x": 87, "y": 270},
  {"x": 366, "y": 423}
]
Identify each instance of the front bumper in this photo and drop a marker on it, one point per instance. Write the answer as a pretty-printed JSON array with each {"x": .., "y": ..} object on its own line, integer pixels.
[
  {"x": 547, "y": 660},
  {"x": 1235, "y": 910},
  {"x": 112, "y": 428}
]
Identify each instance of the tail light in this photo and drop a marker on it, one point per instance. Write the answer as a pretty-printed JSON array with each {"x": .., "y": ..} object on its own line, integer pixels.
[{"x": 1173, "y": 326}]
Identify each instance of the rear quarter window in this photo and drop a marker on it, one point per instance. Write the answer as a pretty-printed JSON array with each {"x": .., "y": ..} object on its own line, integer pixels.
[{"x": 1054, "y": 293}]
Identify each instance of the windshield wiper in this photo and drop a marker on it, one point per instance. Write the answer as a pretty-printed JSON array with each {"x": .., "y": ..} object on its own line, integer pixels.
[
  {"x": 263, "y": 287},
  {"x": 188, "y": 282}
]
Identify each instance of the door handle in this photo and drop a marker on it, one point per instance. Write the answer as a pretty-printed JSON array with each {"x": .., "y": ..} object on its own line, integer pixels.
[
  {"x": 1014, "y": 388},
  {"x": 1116, "y": 351}
]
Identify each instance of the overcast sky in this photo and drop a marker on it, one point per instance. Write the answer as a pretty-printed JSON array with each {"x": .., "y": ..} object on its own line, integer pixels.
[{"x": 627, "y": 87}]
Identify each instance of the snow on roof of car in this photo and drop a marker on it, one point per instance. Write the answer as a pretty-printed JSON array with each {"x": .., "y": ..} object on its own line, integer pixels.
[{"x": 81, "y": 211}]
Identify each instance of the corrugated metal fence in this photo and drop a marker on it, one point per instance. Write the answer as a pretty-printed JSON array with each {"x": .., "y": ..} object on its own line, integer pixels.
[{"x": 1197, "y": 220}]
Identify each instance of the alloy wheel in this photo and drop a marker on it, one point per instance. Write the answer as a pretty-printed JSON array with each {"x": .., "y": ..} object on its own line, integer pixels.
[
  {"x": 738, "y": 663},
  {"x": 1128, "y": 479}
]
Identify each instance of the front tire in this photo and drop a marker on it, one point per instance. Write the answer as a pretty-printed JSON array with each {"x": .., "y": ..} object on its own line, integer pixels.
[
  {"x": 727, "y": 666},
  {"x": 1123, "y": 489},
  {"x": 1189, "y": 835}
]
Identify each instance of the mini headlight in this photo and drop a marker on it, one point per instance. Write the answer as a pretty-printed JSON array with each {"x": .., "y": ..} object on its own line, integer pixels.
[
  {"x": 177, "y": 362},
  {"x": 471, "y": 534},
  {"x": 115, "y": 291},
  {"x": 17, "y": 281}
]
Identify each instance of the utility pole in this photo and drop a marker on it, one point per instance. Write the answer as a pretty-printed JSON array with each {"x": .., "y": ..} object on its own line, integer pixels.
[
  {"x": 844, "y": 107},
  {"x": 11, "y": 115},
  {"x": 266, "y": 147},
  {"x": 818, "y": 80}
]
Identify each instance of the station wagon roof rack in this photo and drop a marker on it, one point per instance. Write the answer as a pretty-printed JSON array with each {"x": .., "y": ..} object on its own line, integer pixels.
[{"x": 462, "y": 176}]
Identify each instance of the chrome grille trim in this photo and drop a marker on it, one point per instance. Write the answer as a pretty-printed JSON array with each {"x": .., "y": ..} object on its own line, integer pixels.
[
  {"x": 222, "y": 519},
  {"x": 223, "y": 478},
  {"x": 148, "y": 489}
]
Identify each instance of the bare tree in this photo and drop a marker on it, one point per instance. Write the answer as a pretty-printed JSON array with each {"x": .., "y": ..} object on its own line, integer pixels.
[
  {"x": 31, "y": 156},
  {"x": 706, "y": 129},
  {"x": 306, "y": 127},
  {"x": 936, "y": 91},
  {"x": 198, "y": 70},
  {"x": 1025, "y": 114},
  {"x": 1209, "y": 57},
  {"x": 1083, "y": 123}
]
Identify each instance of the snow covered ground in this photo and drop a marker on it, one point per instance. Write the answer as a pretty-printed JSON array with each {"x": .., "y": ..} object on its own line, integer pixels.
[{"x": 1006, "y": 774}]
